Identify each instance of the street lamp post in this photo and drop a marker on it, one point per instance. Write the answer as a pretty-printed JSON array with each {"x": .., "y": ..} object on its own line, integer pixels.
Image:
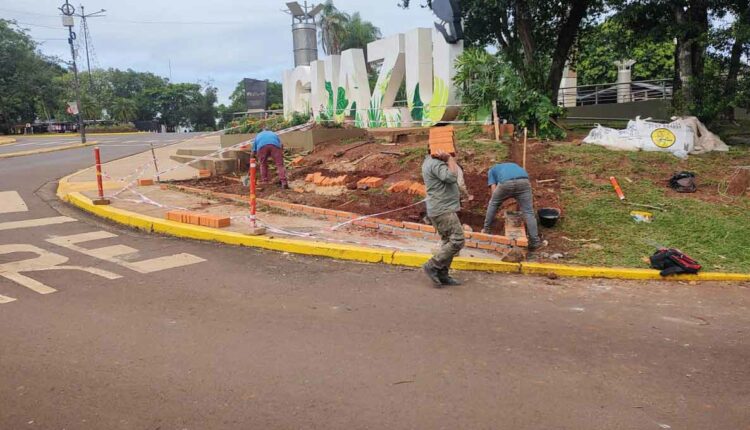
[{"x": 68, "y": 10}]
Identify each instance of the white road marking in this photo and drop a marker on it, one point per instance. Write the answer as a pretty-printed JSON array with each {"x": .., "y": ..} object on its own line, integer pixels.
[
  {"x": 11, "y": 202},
  {"x": 44, "y": 260},
  {"x": 38, "y": 222},
  {"x": 113, "y": 254},
  {"x": 164, "y": 263}
]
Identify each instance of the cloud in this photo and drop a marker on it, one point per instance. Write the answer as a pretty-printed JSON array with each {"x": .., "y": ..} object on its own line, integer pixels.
[{"x": 222, "y": 41}]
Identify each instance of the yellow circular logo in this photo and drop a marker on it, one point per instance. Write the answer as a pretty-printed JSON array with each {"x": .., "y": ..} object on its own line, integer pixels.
[{"x": 663, "y": 137}]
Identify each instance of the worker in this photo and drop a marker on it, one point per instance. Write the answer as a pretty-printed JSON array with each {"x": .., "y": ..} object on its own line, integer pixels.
[
  {"x": 268, "y": 145},
  {"x": 440, "y": 174},
  {"x": 509, "y": 180}
]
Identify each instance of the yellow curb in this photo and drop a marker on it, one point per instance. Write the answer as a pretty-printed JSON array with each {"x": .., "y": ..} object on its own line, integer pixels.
[
  {"x": 47, "y": 150},
  {"x": 67, "y": 135},
  {"x": 364, "y": 254},
  {"x": 7, "y": 140}
]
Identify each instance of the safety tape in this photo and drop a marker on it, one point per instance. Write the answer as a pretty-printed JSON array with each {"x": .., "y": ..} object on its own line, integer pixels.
[{"x": 337, "y": 226}]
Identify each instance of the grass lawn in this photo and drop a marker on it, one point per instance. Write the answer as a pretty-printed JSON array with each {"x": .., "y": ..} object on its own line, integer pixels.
[{"x": 709, "y": 225}]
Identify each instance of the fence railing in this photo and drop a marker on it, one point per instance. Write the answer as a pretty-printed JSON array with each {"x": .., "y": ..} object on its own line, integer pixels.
[{"x": 583, "y": 95}]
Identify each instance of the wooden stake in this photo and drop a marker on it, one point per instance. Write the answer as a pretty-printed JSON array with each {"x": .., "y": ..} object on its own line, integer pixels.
[
  {"x": 496, "y": 121},
  {"x": 525, "y": 137}
]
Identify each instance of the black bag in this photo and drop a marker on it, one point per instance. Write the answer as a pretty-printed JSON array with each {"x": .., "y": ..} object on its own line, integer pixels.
[
  {"x": 672, "y": 261},
  {"x": 683, "y": 182}
]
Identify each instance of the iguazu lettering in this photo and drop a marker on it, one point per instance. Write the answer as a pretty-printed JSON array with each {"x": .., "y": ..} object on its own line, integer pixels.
[{"x": 337, "y": 88}]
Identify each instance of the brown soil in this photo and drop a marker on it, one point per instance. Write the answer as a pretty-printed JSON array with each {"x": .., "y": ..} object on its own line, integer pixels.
[{"x": 331, "y": 160}]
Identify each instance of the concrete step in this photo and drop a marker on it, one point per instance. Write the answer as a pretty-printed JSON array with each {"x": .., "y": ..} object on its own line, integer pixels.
[
  {"x": 217, "y": 166},
  {"x": 196, "y": 152}
]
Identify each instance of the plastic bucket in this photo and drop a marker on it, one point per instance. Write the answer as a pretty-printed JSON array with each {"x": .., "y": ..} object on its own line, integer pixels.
[{"x": 548, "y": 217}]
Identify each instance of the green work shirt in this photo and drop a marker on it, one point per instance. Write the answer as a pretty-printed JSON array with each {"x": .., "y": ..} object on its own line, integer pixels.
[{"x": 443, "y": 195}]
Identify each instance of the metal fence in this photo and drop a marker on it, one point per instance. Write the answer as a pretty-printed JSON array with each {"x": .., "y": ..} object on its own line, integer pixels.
[{"x": 584, "y": 95}]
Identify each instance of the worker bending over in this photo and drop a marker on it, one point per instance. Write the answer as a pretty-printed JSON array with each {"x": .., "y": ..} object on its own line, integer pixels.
[
  {"x": 509, "y": 180},
  {"x": 268, "y": 145}
]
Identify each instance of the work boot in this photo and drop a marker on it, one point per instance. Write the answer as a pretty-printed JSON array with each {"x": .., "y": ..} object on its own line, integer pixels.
[
  {"x": 538, "y": 245},
  {"x": 432, "y": 273},
  {"x": 446, "y": 279}
]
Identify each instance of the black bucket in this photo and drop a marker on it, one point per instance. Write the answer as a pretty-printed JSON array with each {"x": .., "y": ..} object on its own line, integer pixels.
[{"x": 548, "y": 217}]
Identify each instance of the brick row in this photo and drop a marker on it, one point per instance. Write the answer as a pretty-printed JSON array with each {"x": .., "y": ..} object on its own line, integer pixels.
[{"x": 205, "y": 220}]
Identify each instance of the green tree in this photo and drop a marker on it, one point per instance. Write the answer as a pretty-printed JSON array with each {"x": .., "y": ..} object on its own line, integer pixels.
[
  {"x": 536, "y": 36},
  {"x": 124, "y": 110},
  {"x": 598, "y": 47},
  {"x": 358, "y": 33},
  {"x": 26, "y": 78}
]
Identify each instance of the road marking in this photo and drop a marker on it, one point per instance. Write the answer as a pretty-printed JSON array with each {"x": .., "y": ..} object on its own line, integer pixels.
[
  {"x": 38, "y": 222},
  {"x": 11, "y": 202},
  {"x": 114, "y": 254},
  {"x": 164, "y": 263},
  {"x": 44, "y": 260}
]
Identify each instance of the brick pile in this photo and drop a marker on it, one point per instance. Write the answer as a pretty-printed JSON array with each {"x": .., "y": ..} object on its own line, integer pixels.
[
  {"x": 442, "y": 139},
  {"x": 369, "y": 182},
  {"x": 320, "y": 180},
  {"x": 194, "y": 218},
  {"x": 409, "y": 187}
]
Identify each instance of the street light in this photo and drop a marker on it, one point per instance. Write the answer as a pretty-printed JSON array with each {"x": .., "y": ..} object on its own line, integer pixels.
[{"x": 68, "y": 10}]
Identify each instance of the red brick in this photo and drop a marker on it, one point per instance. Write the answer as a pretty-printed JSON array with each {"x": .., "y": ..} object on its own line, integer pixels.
[
  {"x": 427, "y": 228},
  {"x": 411, "y": 225},
  {"x": 310, "y": 177},
  {"x": 486, "y": 246},
  {"x": 522, "y": 241},
  {"x": 412, "y": 233},
  {"x": 145, "y": 182},
  {"x": 503, "y": 240},
  {"x": 502, "y": 248},
  {"x": 390, "y": 222},
  {"x": 471, "y": 244},
  {"x": 481, "y": 237},
  {"x": 375, "y": 182},
  {"x": 297, "y": 161},
  {"x": 204, "y": 173}
]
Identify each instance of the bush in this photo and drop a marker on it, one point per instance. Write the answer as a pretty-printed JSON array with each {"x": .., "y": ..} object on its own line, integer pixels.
[
  {"x": 484, "y": 77},
  {"x": 112, "y": 128},
  {"x": 275, "y": 123}
]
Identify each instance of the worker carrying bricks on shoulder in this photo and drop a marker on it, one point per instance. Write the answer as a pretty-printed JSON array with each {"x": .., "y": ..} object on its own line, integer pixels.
[
  {"x": 268, "y": 145},
  {"x": 440, "y": 174},
  {"x": 509, "y": 180}
]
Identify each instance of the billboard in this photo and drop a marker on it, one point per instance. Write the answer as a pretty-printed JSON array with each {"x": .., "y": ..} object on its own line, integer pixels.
[{"x": 256, "y": 94}]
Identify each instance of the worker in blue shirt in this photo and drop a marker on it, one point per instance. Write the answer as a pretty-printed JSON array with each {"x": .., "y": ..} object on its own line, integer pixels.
[
  {"x": 509, "y": 180},
  {"x": 268, "y": 145}
]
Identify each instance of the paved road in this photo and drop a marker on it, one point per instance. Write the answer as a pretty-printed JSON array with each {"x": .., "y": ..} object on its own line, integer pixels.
[
  {"x": 144, "y": 332},
  {"x": 140, "y": 140}
]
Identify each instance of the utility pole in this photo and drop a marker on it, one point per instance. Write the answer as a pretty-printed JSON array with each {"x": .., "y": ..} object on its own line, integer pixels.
[
  {"x": 68, "y": 11},
  {"x": 83, "y": 17}
]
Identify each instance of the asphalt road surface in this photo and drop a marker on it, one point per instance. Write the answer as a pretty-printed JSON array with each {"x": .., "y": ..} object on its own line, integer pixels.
[
  {"x": 107, "y": 328},
  {"x": 131, "y": 141}
]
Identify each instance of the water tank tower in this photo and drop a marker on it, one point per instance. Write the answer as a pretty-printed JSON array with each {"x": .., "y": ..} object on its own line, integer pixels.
[{"x": 304, "y": 32}]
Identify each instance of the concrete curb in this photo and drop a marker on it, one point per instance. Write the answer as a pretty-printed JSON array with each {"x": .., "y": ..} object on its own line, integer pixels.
[
  {"x": 365, "y": 254},
  {"x": 47, "y": 150},
  {"x": 6, "y": 141}
]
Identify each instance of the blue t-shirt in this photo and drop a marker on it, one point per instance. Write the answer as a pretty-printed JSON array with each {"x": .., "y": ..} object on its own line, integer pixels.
[
  {"x": 503, "y": 172},
  {"x": 266, "y": 138}
]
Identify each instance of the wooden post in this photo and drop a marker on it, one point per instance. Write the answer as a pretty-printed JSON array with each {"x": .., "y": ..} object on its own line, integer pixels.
[
  {"x": 156, "y": 165},
  {"x": 496, "y": 120},
  {"x": 525, "y": 136},
  {"x": 100, "y": 187},
  {"x": 251, "y": 176}
]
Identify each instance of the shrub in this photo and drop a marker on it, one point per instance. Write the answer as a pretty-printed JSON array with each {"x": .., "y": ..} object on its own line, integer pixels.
[{"x": 484, "y": 77}]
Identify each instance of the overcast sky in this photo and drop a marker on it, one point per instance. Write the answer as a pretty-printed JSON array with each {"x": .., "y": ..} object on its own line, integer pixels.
[{"x": 221, "y": 41}]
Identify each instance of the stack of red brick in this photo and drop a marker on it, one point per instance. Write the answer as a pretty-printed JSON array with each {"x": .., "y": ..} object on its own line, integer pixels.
[
  {"x": 369, "y": 182},
  {"x": 317, "y": 178},
  {"x": 205, "y": 220},
  {"x": 442, "y": 139},
  {"x": 410, "y": 187}
]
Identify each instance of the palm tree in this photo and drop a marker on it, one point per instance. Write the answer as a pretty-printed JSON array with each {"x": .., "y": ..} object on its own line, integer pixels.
[
  {"x": 332, "y": 23},
  {"x": 358, "y": 33},
  {"x": 124, "y": 110}
]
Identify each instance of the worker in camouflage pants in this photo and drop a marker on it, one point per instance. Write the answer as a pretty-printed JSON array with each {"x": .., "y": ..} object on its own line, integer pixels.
[{"x": 440, "y": 174}]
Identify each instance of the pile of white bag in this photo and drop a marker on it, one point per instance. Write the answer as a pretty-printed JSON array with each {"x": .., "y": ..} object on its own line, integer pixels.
[{"x": 680, "y": 137}]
